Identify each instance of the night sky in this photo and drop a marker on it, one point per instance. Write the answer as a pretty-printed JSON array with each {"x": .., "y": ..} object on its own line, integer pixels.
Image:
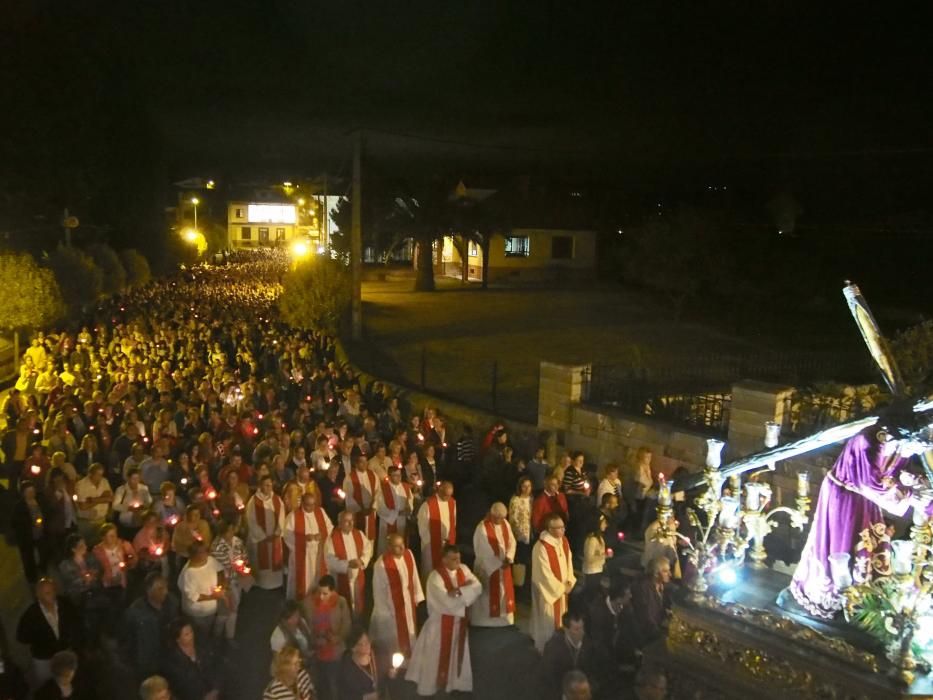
[{"x": 120, "y": 98}]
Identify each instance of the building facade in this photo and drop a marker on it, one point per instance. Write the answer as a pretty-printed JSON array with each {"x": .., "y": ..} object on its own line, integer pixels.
[{"x": 270, "y": 224}]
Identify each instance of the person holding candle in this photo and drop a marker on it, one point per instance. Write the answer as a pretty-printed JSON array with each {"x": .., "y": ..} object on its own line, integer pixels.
[
  {"x": 202, "y": 586},
  {"x": 80, "y": 573},
  {"x": 94, "y": 499},
  {"x": 190, "y": 530},
  {"x": 361, "y": 486},
  {"x": 28, "y": 524},
  {"x": 130, "y": 501},
  {"x": 230, "y": 552},
  {"x": 293, "y": 630},
  {"x": 329, "y": 484},
  {"x": 233, "y": 498},
  {"x": 265, "y": 522},
  {"x": 610, "y": 482},
  {"x": 595, "y": 554},
  {"x": 170, "y": 508},
  {"x": 520, "y": 519}
]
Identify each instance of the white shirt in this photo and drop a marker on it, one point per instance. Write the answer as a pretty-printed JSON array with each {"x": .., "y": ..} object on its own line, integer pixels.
[
  {"x": 85, "y": 490},
  {"x": 195, "y": 582},
  {"x": 51, "y": 616}
]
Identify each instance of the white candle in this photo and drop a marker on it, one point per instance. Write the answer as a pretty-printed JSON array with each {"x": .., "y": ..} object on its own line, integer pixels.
[
  {"x": 803, "y": 483},
  {"x": 397, "y": 660}
]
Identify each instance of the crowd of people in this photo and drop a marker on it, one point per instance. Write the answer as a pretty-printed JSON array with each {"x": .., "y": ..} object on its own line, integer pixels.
[{"x": 185, "y": 449}]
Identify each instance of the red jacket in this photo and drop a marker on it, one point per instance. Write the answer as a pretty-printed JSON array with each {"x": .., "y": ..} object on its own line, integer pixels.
[{"x": 544, "y": 505}]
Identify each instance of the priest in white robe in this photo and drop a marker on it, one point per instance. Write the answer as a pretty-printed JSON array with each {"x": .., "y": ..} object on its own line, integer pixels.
[
  {"x": 494, "y": 547},
  {"x": 440, "y": 660},
  {"x": 265, "y": 522},
  {"x": 306, "y": 531},
  {"x": 394, "y": 505},
  {"x": 348, "y": 553},
  {"x": 437, "y": 526},
  {"x": 396, "y": 594},
  {"x": 552, "y": 580},
  {"x": 361, "y": 486}
]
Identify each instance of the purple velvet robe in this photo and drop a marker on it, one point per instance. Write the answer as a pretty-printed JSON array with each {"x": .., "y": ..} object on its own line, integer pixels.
[{"x": 861, "y": 485}]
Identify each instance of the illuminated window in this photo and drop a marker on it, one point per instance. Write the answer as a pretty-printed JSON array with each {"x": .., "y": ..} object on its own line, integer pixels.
[
  {"x": 246, "y": 233},
  {"x": 279, "y": 235},
  {"x": 263, "y": 234},
  {"x": 473, "y": 252},
  {"x": 562, "y": 248},
  {"x": 517, "y": 247},
  {"x": 271, "y": 213}
]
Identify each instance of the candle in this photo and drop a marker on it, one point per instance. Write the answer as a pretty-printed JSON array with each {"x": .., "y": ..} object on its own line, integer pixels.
[
  {"x": 803, "y": 483},
  {"x": 419, "y": 482},
  {"x": 173, "y": 520},
  {"x": 239, "y": 563},
  {"x": 714, "y": 453},
  {"x": 245, "y": 570},
  {"x": 158, "y": 551},
  {"x": 753, "y": 494},
  {"x": 184, "y": 480},
  {"x": 211, "y": 494},
  {"x": 122, "y": 564},
  {"x": 397, "y": 660},
  {"x": 74, "y": 498},
  {"x": 197, "y": 536},
  {"x": 341, "y": 494},
  {"x": 420, "y": 437},
  {"x": 216, "y": 512},
  {"x": 35, "y": 431},
  {"x": 620, "y": 536},
  {"x": 772, "y": 434},
  {"x": 35, "y": 469},
  {"x": 609, "y": 552},
  {"x": 664, "y": 491},
  {"x": 218, "y": 589},
  {"x": 38, "y": 521}
]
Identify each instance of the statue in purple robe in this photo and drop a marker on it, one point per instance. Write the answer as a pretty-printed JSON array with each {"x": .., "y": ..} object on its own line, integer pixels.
[{"x": 866, "y": 480}]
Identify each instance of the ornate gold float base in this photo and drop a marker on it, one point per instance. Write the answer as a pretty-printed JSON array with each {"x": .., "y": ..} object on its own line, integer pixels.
[{"x": 732, "y": 651}]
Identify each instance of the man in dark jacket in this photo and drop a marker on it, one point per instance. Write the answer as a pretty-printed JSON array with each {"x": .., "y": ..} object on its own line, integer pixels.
[
  {"x": 47, "y": 626},
  {"x": 652, "y": 600},
  {"x": 570, "y": 649},
  {"x": 145, "y": 626}
]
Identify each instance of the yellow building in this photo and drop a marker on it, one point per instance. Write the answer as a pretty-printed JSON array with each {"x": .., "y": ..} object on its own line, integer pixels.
[
  {"x": 526, "y": 255},
  {"x": 270, "y": 224}
]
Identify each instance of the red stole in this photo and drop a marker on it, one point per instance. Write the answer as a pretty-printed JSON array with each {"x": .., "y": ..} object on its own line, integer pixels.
[
  {"x": 555, "y": 569},
  {"x": 270, "y": 555},
  {"x": 398, "y": 601},
  {"x": 367, "y": 523},
  {"x": 447, "y": 630},
  {"x": 434, "y": 523},
  {"x": 302, "y": 585},
  {"x": 388, "y": 495},
  {"x": 357, "y": 602},
  {"x": 499, "y": 575}
]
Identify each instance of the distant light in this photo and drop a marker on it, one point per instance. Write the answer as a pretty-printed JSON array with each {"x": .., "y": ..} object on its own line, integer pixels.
[
  {"x": 301, "y": 201},
  {"x": 195, "y": 201},
  {"x": 300, "y": 249},
  {"x": 191, "y": 235},
  {"x": 210, "y": 184},
  {"x": 286, "y": 184},
  {"x": 321, "y": 249}
]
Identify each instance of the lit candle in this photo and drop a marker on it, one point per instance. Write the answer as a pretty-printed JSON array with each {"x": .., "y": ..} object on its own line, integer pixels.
[
  {"x": 184, "y": 481},
  {"x": 74, "y": 498},
  {"x": 122, "y": 564},
  {"x": 216, "y": 512},
  {"x": 218, "y": 589},
  {"x": 245, "y": 570},
  {"x": 173, "y": 520},
  {"x": 397, "y": 660},
  {"x": 158, "y": 551},
  {"x": 239, "y": 563},
  {"x": 420, "y": 437},
  {"x": 198, "y": 537},
  {"x": 35, "y": 469},
  {"x": 35, "y": 431},
  {"x": 620, "y": 536},
  {"x": 38, "y": 521},
  {"x": 341, "y": 494},
  {"x": 419, "y": 483},
  {"x": 211, "y": 494},
  {"x": 803, "y": 483}
]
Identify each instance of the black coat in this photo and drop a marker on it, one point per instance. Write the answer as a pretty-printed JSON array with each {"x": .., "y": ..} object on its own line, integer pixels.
[
  {"x": 34, "y": 630},
  {"x": 190, "y": 680}
]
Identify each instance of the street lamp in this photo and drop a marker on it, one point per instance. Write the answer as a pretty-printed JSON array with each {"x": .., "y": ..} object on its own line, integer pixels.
[
  {"x": 300, "y": 249},
  {"x": 195, "y": 201}
]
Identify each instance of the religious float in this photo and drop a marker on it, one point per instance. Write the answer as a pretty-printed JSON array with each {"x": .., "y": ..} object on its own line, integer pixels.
[{"x": 855, "y": 619}]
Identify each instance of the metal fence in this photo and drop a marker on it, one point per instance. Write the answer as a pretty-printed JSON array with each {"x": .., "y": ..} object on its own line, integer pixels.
[{"x": 695, "y": 392}]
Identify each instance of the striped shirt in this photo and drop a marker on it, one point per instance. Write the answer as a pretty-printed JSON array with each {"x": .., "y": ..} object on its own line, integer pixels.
[
  {"x": 573, "y": 481},
  {"x": 228, "y": 552},
  {"x": 277, "y": 690}
]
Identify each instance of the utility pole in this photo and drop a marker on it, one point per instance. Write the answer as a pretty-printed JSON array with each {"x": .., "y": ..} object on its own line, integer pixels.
[{"x": 356, "y": 242}]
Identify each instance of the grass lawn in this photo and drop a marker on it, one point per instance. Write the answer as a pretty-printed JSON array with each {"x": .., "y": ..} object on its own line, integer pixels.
[{"x": 464, "y": 330}]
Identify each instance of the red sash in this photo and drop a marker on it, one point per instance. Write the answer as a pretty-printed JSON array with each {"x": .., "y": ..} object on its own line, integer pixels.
[
  {"x": 434, "y": 523},
  {"x": 343, "y": 580},
  {"x": 388, "y": 495},
  {"x": 398, "y": 601},
  {"x": 302, "y": 584},
  {"x": 555, "y": 569},
  {"x": 270, "y": 555},
  {"x": 499, "y": 575},
  {"x": 447, "y": 631},
  {"x": 367, "y": 523}
]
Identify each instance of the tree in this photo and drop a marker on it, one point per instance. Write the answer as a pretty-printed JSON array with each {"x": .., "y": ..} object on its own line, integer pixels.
[
  {"x": 136, "y": 266},
  {"x": 79, "y": 279},
  {"x": 316, "y": 295},
  {"x": 30, "y": 297},
  {"x": 112, "y": 270},
  {"x": 913, "y": 350}
]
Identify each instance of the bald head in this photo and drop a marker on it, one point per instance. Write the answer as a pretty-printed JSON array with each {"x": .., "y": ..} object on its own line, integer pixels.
[{"x": 498, "y": 512}]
